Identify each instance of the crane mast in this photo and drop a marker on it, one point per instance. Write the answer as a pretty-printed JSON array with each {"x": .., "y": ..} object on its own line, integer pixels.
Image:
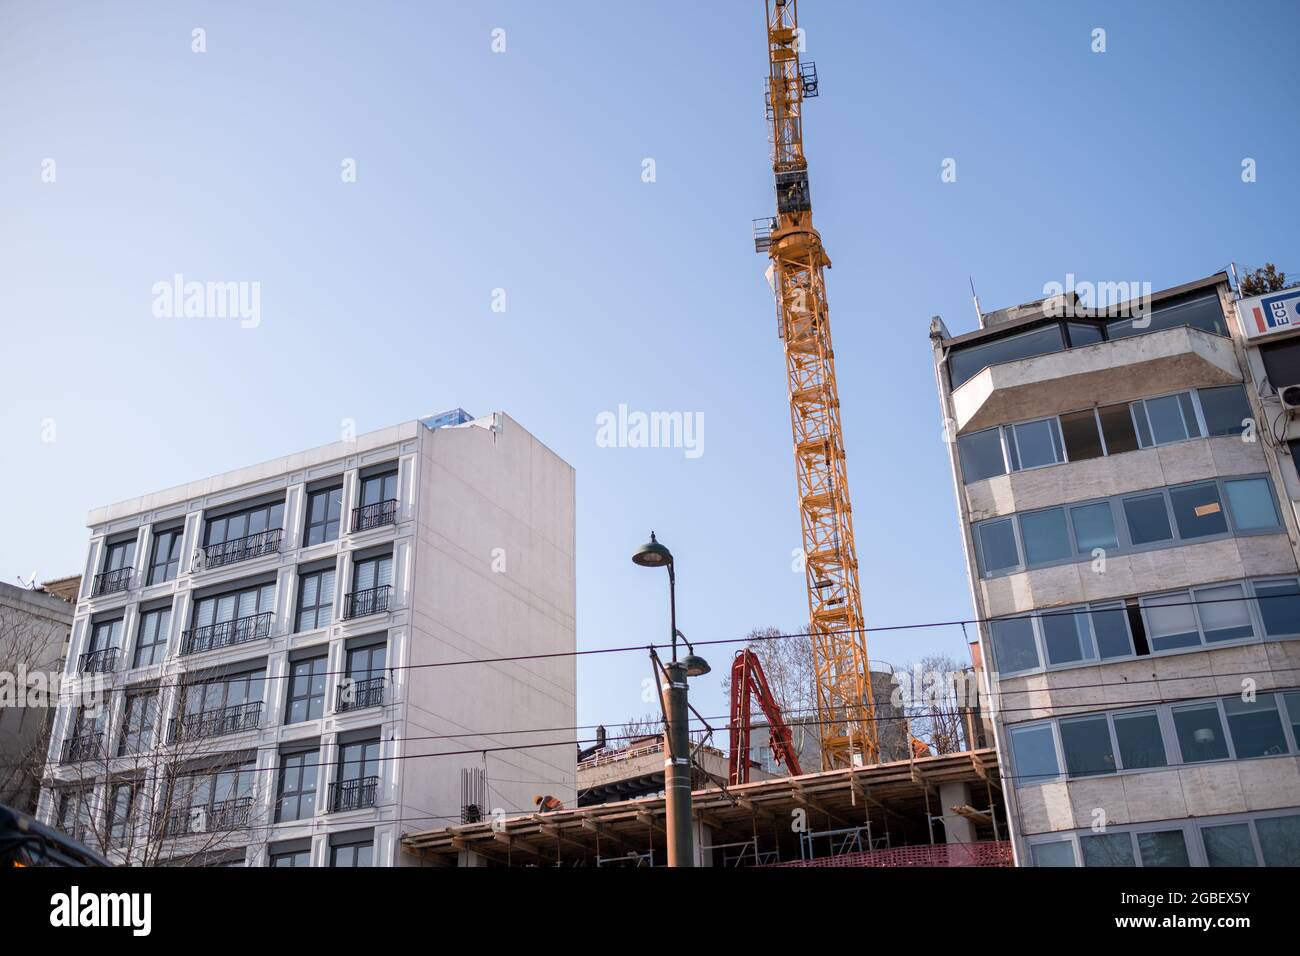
[{"x": 845, "y": 701}]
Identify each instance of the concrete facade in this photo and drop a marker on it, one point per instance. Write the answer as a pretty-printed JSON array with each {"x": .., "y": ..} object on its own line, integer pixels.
[
  {"x": 473, "y": 529},
  {"x": 1202, "y": 765}
]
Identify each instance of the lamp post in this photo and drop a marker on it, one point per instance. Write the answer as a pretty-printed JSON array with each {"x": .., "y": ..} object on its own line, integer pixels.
[{"x": 672, "y": 693}]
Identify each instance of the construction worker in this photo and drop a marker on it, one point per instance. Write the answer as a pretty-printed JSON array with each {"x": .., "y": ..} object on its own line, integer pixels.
[{"x": 547, "y": 804}]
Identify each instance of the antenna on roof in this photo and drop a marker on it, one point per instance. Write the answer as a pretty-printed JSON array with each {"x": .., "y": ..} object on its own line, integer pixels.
[{"x": 979, "y": 313}]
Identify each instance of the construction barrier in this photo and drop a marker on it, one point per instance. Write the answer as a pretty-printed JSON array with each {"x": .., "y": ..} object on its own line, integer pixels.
[{"x": 988, "y": 853}]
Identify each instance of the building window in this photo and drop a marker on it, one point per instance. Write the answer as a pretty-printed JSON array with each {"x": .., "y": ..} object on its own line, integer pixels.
[
  {"x": 1255, "y": 727},
  {"x": 1034, "y": 751},
  {"x": 241, "y": 524},
  {"x": 102, "y": 647},
  {"x": 1200, "y": 732},
  {"x": 138, "y": 719},
  {"x": 981, "y": 455},
  {"x": 1161, "y": 517},
  {"x": 291, "y": 858},
  {"x": 360, "y": 853},
  {"x": 151, "y": 637},
  {"x": 1279, "y": 840},
  {"x": 1014, "y": 648},
  {"x": 214, "y": 801},
  {"x": 1086, "y": 743},
  {"x": 121, "y": 821},
  {"x": 297, "y": 797},
  {"x": 165, "y": 561},
  {"x": 1141, "y": 742},
  {"x": 120, "y": 556},
  {"x": 324, "y": 509},
  {"x": 226, "y": 705},
  {"x": 1106, "y": 849},
  {"x": 1229, "y": 845},
  {"x": 75, "y": 817},
  {"x": 231, "y": 618},
  {"x": 967, "y": 361},
  {"x": 364, "y": 686},
  {"x": 315, "y": 600},
  {"x": 1163, "y": 848},
  {"x": 377, "y": 489},
  {"x": 1251, "y": 502},
  {"x": 306, "y": 690},
  {"x": 357, "y": 784},
  {"x": 1034, "y": 444},
  {"x": 1105, "y": 430}
]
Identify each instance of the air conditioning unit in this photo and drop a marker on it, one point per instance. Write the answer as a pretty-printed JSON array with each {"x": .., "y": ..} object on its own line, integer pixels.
[{"x": 1290, "y": 396}]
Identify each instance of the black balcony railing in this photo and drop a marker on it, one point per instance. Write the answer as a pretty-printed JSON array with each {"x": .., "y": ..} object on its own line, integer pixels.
[
  {"x": 227, "y": 633},
  {"x": 102, "y": 661},
  {"x": 218, "y": 817},
  {"x": 369, "y": 601},
  {"x": 82, "y": 747},
  {"x": 216, "y": 723},
  {"x": 374, "y": 516},
  {"x": 110, "y": 582},
  {"x": 353, "y": 794},
  {"x": 358, "y": 694},
  {"x": 240, "y": 549}
]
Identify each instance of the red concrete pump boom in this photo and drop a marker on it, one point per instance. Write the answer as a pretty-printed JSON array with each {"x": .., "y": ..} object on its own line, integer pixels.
[{"x": 749, "y": 683}]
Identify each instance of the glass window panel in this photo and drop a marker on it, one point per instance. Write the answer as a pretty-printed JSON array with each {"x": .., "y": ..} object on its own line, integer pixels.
[
  {"x": 1038, "y": 443},
  {"x": 1251, "y": 503},
  {"x": 1171, "y": 621},
  {"x": 1164, "y": 848},
  {"x": 1065, "y": 636},
  {"x": 1117, "y": 428},
  {"x": 1204, "y": 313},
  {"x": 1045, "y": 536},
  {"x": 1200, "y": 733},
  {"x": 998, "y": 545},
  {"x": 1198, "y": 511},
  {"x": 1110, "y": 628},
  {"x": 1279, "y": 839},
  {"x": 1279, "y": 606},
  {"x": 1225, "y": 613},
  {"x": 1014, "y": 648},
  {"x": 1229, "y": 845},
  {"x": 1081, "y": 334},
  {"x": 965, "y": 362},
  {"x": 1141, "y": 745},
  {"x": 1148, "y": 519},
  {"x": 1226, "y": 409},
  {"x": 1143, "y": 425},
  {"x": 1086, "y": 744},
  {"x": 981, "y": 455},
  {"x": 1035, "y": 754},
  {"x": 1059, "y": 853},
  {"x": 1166, "y": 418},
  {"x": 1189, "y": 414},
  {"x": 1107, "y": 849},
  {"x": 1256, "y": 726},
  {"x": 1094, "y": 527}
]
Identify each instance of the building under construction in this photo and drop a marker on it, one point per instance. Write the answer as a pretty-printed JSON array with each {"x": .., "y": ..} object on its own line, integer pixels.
[{"x": 923, "y": 811}]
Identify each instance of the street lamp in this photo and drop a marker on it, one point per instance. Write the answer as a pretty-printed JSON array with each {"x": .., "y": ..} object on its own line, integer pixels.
[
  {"x": 672, "y": 679},
  {"x": 652, "y": 554}
]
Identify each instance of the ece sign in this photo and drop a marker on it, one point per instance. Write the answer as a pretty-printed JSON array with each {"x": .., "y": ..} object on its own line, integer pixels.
[{"x": 1265, "y": 315}]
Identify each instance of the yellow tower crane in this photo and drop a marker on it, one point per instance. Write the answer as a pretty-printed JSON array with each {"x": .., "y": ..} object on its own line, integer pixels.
[{"x": 845, "y": 702}]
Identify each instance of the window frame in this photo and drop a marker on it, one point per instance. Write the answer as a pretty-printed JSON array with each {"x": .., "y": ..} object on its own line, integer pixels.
[
  {"x": 318, "y": 576},
  {"x": 302, "y": 792},
  {"x": 337, "y": 521},
  {"x": 292, "y": 698},
  {"x": 162, "y": 636},
  {"x": 1123, "y": 533},
  {"x": 171, "y": 563}
]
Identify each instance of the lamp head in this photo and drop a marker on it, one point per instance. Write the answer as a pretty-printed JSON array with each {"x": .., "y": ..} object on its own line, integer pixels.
[{"x": 652, "y": 554}]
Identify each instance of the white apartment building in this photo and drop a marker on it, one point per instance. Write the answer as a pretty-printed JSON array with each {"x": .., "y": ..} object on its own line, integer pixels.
[
  {"x": 1117, "y": 482},
  {"x": 275, "y": 652}
]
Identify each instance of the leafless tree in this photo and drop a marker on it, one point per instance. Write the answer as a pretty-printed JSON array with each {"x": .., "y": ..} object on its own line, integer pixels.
[
  {"x": 145, "y": 794},
  {"x": 31, "y": 650},
  {"x": 935, "y": 711},
  {"x": 650, "y": 725}
]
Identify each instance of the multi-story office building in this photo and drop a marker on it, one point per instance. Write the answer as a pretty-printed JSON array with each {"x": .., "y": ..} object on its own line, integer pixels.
[
  {"x": 1118, "y": 486},
  {"x": 263, "y": 667}
]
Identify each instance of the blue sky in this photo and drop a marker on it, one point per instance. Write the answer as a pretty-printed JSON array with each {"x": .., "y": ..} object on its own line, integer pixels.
[{"x": 522, "y": 171}]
